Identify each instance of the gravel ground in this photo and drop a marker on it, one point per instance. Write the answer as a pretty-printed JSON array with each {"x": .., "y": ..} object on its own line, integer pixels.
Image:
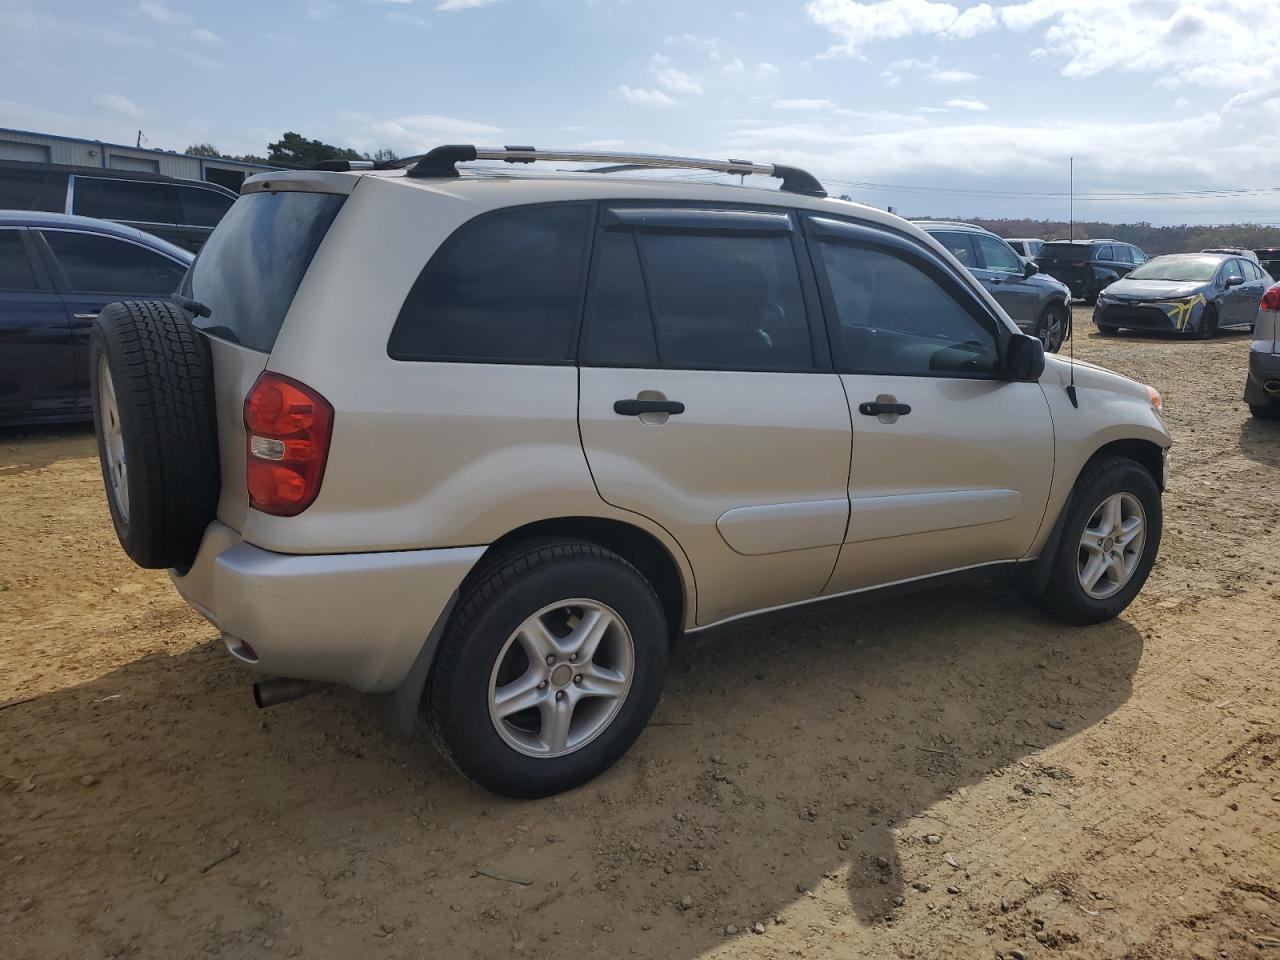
[{"x": 941, "y": 775}]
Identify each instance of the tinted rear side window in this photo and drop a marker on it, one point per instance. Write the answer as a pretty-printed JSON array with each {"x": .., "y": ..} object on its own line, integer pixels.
[
  {"x": 15, "y": 267},
  {"x": 959, "y": 245},
  {"x": 250, "y": 269},
  {"x": 132, "y": 200},
  {"x": 203, "y": 208},
  {"x": 1063, "y": 251},
  {"x": 504, "y": 288},
  {"x": 33, "y": 189},
  {"x": 98, "y": 264}
]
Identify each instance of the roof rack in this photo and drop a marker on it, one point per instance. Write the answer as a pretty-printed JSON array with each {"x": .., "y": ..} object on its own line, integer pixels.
[{"x": 440, "y": 163}]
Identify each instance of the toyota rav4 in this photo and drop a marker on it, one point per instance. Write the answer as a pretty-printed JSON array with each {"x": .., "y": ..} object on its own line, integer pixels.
[{"x": 488, "y": 441}]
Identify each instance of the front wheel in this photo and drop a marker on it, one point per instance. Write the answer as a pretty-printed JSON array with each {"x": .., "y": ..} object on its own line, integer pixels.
[
  {"x": 1109, "y": 542},
  {"x": 1052, "y": 327},
  {"x": 550, "y": 668},
  {"x": 1208, "y": 325}
]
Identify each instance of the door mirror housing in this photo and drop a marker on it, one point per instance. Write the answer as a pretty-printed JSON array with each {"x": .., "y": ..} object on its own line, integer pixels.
[
  {"x": 1029, "y": 268},
  {"x": 1234, "y": 281},
  {"x": 1024, "y": 358}
]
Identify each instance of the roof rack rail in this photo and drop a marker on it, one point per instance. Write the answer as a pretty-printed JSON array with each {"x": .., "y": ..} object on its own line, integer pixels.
[{"x": 440, "y": 163}]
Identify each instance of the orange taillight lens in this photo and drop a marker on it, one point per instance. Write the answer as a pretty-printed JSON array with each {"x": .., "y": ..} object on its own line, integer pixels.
[{"x": 288, "y": 427}]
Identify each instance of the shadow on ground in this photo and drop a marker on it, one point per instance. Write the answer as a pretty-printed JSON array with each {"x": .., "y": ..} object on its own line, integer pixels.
[
  {"x": 778, "y": 757},
  {"x": 29, "y": 448},
  {"x": 1260, "y": 440}
]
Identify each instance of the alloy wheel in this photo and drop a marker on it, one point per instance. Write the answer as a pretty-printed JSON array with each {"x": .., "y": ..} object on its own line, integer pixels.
[{"x": 1111, "y": 545}]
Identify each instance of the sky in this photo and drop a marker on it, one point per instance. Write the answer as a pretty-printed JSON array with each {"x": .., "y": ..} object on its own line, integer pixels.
[{"x": 1171, "y": 110}]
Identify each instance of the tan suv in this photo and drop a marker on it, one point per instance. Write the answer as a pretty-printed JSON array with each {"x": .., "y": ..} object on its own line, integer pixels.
[{"x": 489, "y": 441}]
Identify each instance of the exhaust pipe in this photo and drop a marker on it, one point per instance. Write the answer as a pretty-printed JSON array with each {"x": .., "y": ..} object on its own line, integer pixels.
[
  {"x": 1272, "y": 387},
  {"x": 269, "y": 693}
]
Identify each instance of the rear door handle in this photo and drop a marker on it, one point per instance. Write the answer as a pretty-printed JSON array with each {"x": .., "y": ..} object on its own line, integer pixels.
[
  {"x": 874, "y": 408},
  {"x": 85, "y": 316},
  {"x": 634, "y": 408}
]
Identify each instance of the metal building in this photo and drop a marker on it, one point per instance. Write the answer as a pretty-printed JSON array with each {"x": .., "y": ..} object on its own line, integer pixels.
[{"x": 49, "y": 148}]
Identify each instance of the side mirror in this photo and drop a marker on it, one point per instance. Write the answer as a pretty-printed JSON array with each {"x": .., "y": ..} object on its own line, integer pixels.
[
  {"x": 1234, "y": 281},
  {"x": 1029, "y": 268},
  {"x": 1024, "y": 358}
]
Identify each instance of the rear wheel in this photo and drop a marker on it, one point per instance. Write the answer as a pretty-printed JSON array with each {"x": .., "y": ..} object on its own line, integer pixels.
[
  {"x": 1208, "y": 325},
  {"x": 550, "y": 669},
  {"x": 1109, "y": 542},
  {"x": 1270, "y": 410},
  {"x": 1052, "y": 327},
  {"x": 1106, "y": 330}
]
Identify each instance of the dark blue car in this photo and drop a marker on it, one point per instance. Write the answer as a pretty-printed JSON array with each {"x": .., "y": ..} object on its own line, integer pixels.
[{"x": 56, "y": 273}]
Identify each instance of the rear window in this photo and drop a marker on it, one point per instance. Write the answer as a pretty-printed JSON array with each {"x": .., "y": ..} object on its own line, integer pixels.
[
  {"x": 250, "y": 269},
  {"x": 1064, "y": 251}
]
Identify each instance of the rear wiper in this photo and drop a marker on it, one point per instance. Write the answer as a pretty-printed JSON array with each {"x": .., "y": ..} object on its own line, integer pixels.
[{"x": 192, "y": 306}]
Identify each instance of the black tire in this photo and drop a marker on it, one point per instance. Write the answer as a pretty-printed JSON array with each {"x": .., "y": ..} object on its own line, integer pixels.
[
  {"x": 1064, "y": 597},
  {"x": 1266, "y": 411},
  {"x": 496, "y": 600},
  {"x": 1051, "y": 343},
  {"x": 1106, "y": 330},
  {"x": 1207, "y": 328},
  {"x": 162, "y": 377}
]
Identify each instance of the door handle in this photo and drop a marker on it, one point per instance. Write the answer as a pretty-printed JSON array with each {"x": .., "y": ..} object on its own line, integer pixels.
[
  {"x": 85, "y": 316},
  {"x": 634, "y": 408},
  {"x": 874, "y": 408}
]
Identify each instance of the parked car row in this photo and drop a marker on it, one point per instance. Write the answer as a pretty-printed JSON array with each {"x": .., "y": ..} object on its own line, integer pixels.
[{"x": 183, "y": 212}]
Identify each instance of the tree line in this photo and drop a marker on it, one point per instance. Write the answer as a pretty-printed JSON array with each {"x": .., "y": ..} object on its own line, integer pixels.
[{"x": 292, "y": 150}]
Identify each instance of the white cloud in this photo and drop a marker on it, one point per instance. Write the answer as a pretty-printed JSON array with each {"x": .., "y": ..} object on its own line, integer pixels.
[
  {"x": 672, "y": 79},
  {"x": 802, "y": 104},
  {"x": 858, "y": 24},
  {"x": 766, "y": 70},
  {"x": 320, "y": 9},
  {"x": 928, "y": 69},
  {"x": 118, "y": 105},
  {"x": 411, "y": 134},
  {"x": 967, "y": 103},
  {"x": 448, "y": 5},
  {"x": 652, "y": 98},
  {"x": 205, "y": 36},
  {"x": 203, "y": 62},
  {"x": 159, "y": 12}
]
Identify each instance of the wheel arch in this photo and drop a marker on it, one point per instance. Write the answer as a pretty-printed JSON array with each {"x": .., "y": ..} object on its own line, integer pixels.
[{"x": 634, "y": 544}]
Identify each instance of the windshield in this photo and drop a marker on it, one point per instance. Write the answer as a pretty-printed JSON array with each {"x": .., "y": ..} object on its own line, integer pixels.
[
  {"x": 1065, "y": 251},
  {"x": 1184, "y": 267}
]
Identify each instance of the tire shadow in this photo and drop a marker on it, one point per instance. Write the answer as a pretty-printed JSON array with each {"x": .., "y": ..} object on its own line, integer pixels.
[
  {"x": 24, "y": 449},
  {"x": 153, "y": 811},
  {"x": 1260, "y": 440}
]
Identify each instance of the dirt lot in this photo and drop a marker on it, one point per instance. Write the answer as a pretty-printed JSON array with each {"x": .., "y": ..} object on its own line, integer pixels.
[{"x": 943, "y": 775}]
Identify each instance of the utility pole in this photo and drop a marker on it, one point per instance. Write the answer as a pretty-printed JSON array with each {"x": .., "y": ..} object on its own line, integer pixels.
[{"x": 1071, "y": 203}]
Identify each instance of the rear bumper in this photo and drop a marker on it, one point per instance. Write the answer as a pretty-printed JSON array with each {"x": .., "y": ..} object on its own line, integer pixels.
[
  {"x": 1264, "y": 367},
  {"x": 356, "y": 619}
]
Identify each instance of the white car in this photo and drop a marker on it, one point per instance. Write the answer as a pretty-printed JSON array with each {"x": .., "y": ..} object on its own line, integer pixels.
[{"x": 489, "y": 440}]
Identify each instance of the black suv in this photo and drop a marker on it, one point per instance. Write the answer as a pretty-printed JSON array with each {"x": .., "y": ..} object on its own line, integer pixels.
[
  {"x": 1088, "y": 266},
  {"x": 183, "y": 212}
]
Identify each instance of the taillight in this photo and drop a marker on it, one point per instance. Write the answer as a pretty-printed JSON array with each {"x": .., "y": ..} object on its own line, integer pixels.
[
  {"x": 1271, "y": 299},
  {"x": 288, "y": 426}
]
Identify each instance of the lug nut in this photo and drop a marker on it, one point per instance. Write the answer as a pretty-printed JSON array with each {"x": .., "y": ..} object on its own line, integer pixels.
[
  {"x": 551, "y": 659},
  {"x": 578, "y": 678},
  {"x": 573, "y": 658},
  {"x": 542, "y": 685},
  {"x": 559, "y": 694}
]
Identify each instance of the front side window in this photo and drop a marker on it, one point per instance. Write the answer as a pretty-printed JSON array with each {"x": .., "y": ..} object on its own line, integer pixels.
[
  {"x": 504, "y": 288},
  {"x": 130, "y": 200},
  {"x": 97, "y": 264},
  {"x": 1138, "y": 255},
  {"x": 996, "y": 255},
  {"x": 15, "y": 267},
  {"x": 898, "y": 316},
  {"x": 1232, "y": 269}
]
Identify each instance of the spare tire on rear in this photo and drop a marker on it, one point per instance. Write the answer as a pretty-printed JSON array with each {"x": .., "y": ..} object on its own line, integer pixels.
[{"x": 151, "y": 380}]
